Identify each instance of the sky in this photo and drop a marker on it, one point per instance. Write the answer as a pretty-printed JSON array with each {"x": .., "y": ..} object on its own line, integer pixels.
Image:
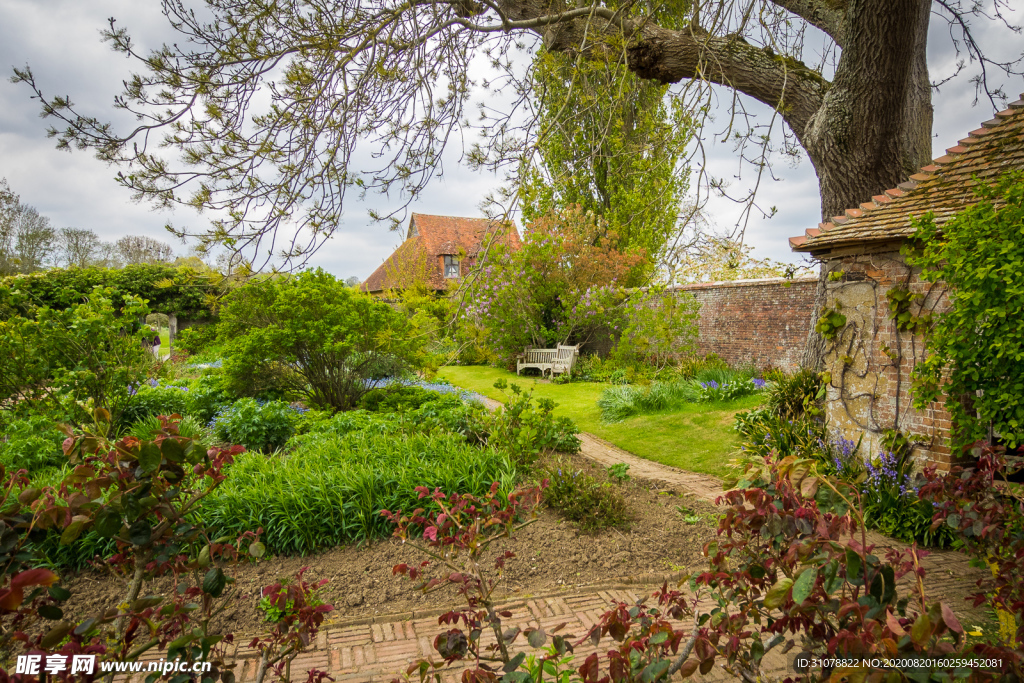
[{"x": 60, "y": 40}]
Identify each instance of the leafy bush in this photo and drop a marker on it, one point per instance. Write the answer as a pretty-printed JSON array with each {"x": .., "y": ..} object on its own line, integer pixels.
[
  {"x": 314, "y": 338},
  {"x": 791, "y": 396},
  {"x": 565, "y": 282},
  {"x": 396, "y": 398},
  {"x": 892, "y": 505},
  {"x": 152, "y": 399},
  {"x": 195, "y": 339},
  {"x": 524, "y": 431},
  {"x": 32, "y": 443},
  {"x": 207, "y": 396},
  {"x": 331, "y": 488},
  {"x": 60, "y": 361},
  {"x": 580, "y": 497},
  {"x": 257, "y": 425}
]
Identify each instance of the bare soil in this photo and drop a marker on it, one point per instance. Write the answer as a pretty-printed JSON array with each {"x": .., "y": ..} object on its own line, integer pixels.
[{"x": 551, "y": 555}]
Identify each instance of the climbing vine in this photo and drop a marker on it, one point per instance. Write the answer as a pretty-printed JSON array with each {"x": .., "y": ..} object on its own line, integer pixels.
[{"x": 976, "y": 358}]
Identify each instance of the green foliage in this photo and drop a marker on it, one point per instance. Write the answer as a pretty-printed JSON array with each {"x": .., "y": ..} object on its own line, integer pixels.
[
  {"x": 152, "y": 399},
  {"x": 610, "y": 144},
  {"x": 619, "y": 472},
  {"x": 661, "y": 328},
  {"x": 331, "y": 488},
  {"x": 313, "y": 337},
  {"x": 206, "y": 396},
  {"x": 189, "y": 427},
  {"x": 257, "y": 425},
  {"x": 32, "y": 443},
  {"x": 396, "y": 398},
  {"x": 791, "y": 396},
  {"x": 976, "y": 349},
  {"x": 830, "y": 322},
  {"x": 71, "y": 361},
  {"x": 195, "y": 339},
  {"x": 580, "y": 497},
  {"x": 524, "y": 431},
  {"x": 892, "y": 506},
  {"x": 901, "y": 301},
  {"x": 159, "y": 284},
  {"x": 711, "y": 384}
]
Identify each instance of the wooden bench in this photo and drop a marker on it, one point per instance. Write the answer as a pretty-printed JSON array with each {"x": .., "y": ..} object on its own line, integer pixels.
[
  {"x": 542, "y": 359},
  {"x": 553, "y": 361}
]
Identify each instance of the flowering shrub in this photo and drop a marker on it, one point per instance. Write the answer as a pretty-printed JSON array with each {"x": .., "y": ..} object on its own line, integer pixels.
[{"x": 563, "y": 283}]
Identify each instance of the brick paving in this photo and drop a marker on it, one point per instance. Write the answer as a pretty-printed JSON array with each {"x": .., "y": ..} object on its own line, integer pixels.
[{"x": 380, "y": 650}]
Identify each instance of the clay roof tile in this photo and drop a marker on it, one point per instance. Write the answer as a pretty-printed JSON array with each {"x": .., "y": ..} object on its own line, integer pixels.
[{"x": 943, "y": 187}]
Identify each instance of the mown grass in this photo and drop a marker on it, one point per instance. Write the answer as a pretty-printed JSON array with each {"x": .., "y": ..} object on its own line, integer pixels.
[{"x": 698, "y": 437}]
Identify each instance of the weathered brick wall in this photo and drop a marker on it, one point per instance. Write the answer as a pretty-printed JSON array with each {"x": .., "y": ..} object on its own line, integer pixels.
[
  {"x": 747, "y": 322},
  {"x": 870, "y": 361},
  {"x": 756, "y": 322}
]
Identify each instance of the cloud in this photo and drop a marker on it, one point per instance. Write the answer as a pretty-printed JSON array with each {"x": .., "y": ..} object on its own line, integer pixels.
[{"x": 60, "y": 40}]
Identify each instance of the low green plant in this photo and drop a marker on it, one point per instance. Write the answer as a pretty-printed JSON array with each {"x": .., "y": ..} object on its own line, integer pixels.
[
  {"x": 32, "y": 443},
  {"x": 892, "y": 505},
  {"x": 619, "y": 472},
  {"x": 712, "y": 391},
  {"x": 207, "y": 395},
  {"x": 189, "y": 427},
  {"x": 396, "y": 397},
  {"x": 618, "y": 403},
  {"x": 153, "y": 398},
  {"x": 331, "y": 486},
  {"x": 790, "y": 396},
  {"x": 195, "y": 339},
  {"x": 524, "y": 430},
  {"x": 581, "y": 498},
  {"x": 257, "y": 425}
]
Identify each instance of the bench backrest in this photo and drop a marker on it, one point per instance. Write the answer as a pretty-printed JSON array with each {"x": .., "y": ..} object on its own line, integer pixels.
[{"x": 540, "y": 355}]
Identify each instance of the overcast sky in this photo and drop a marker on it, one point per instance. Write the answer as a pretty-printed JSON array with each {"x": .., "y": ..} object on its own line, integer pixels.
[{"x": 60, "y": 40}]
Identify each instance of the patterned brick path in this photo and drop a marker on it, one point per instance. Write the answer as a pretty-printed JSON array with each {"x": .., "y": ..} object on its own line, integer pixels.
[{"x": 381, "y": 650}]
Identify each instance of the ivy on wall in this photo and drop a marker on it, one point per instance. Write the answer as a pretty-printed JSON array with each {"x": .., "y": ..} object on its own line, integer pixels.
[{"x": 976, "y": 348}]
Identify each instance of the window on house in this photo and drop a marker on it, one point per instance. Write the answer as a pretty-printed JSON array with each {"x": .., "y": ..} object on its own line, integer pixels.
[{"x": 451, "y": 267}]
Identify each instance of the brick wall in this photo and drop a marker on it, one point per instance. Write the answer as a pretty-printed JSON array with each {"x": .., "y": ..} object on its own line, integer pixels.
[
  {"x": 756, "y": 322},
  {"x": 870, "y": 361},
  {"x": 746, "y": 322}
]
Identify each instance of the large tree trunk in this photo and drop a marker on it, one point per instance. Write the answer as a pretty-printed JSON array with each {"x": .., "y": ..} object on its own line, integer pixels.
[{"x": 873, "y": 128}]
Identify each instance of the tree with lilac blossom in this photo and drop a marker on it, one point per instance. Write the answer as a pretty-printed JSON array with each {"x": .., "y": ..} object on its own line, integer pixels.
[{"x": 561, "y": 286}]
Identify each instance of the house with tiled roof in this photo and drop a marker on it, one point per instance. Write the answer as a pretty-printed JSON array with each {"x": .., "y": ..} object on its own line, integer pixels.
[
  {"x": 438, "y": 250},
  {"x": 870, "y": 359}
]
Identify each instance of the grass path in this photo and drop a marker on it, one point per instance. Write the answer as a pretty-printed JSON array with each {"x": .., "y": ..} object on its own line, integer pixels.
[{"x": 697, "y": 437}]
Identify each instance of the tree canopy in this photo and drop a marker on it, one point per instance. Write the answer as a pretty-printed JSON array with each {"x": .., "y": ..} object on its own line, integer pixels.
[{"x": 260, "y": 111}]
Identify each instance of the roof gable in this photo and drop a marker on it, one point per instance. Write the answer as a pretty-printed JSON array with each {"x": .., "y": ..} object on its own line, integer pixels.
[
  {"x": 943, "y": 187},
  {"x": 429, "y": 238}
]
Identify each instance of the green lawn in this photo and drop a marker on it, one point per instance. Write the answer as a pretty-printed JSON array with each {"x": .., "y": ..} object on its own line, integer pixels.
[{"x": 698, "y": 437}]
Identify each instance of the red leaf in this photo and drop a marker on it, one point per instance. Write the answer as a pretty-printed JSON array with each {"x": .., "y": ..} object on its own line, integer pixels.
[
  {"x": 34, "y": 577},
  {"x": 951, "y": 621},
  {"x": 430, "y": 533}
]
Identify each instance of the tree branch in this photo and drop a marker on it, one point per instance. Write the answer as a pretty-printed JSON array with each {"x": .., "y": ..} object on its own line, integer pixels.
[{"x": 826, "y": 17}]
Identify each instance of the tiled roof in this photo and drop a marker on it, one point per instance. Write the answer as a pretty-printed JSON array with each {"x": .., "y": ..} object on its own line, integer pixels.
[
  {"x": 943, "y": 187},
  {"x": 430, "y": 237}
]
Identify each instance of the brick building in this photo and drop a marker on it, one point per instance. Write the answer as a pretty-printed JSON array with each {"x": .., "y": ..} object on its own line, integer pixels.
[
  {"x": 870, "y": 360},
  {"x": 437, "y": 251}
]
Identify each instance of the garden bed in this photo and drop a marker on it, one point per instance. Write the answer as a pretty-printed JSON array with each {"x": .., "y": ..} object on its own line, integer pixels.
[{"x": 551, "y": 555}]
